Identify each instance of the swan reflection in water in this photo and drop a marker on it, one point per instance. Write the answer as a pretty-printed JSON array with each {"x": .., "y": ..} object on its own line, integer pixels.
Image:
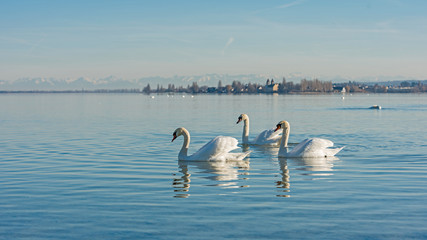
[
  {"x": 306, "y": 166},
  {"x": 225, "y": 173},
  {"x": 283, "y": 184},
  {"x": 314, "y": 167}
]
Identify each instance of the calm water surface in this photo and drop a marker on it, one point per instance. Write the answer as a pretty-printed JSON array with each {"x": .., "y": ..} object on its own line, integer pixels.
[{"x": 102, "y": 166}]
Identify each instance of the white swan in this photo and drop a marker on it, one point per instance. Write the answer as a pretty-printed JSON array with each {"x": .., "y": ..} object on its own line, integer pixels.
[
  {"x": 309, "y": 148},
  {"x": 267, "y": 137},
  {"x": 217, "y": 149}
]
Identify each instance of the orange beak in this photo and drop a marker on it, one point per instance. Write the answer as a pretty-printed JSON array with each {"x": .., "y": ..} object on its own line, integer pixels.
[
  {"x": 278, "y": 126},
  {"x": 174, "y": 137}
]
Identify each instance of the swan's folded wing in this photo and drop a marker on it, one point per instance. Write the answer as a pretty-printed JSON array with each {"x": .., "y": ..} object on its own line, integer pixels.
[
  {"x": 299, "y": 149},
  {"x": 314, "y": 147},
  {"x": 216, "y": 146},
  {"x": 326, "y": 144},
  {"x": 275, "y": 136},
  {"x": 321, "y": 143},
  {"x": 268, "y": 136}
]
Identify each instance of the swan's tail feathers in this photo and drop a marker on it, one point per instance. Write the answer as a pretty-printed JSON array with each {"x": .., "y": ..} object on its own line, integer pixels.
[{"x": 332, "y": 151}]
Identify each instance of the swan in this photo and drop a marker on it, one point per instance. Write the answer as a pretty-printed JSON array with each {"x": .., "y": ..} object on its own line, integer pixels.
[
  {"x": 375, "y": 107},
  {"x": 267, "y": 137},
  {"x": 309, "y": 148},
  {"x": 217, "y": 149}
]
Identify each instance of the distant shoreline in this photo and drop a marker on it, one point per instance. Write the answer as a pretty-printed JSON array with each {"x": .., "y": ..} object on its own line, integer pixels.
[
  {"x": 305, "y": 87},
  {"x": 185, "y": 93}
]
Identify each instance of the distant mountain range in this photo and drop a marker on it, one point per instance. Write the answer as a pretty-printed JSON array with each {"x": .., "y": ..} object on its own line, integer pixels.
[{"x": 111, "y": 82}]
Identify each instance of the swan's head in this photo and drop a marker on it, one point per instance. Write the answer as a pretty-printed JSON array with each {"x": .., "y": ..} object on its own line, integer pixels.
[
  {"x": 242, "y": 117},
  {"x": 282, "y": 124},
  {"x": 177, "y": 133}
]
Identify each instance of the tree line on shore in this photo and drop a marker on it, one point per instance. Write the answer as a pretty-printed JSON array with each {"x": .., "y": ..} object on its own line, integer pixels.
[
  {"x": 304, "y": 87},
  {"x": 285, "y": 87},
  {"x": 238, "y": 87}
]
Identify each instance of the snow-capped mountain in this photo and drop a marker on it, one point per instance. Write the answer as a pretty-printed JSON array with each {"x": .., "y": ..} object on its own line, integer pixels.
[{"x": 111, "y": 82}]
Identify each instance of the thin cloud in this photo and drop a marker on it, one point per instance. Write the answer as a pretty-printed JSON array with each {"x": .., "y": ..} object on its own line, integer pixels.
[
  {"x": 229, "y": 42},
  {"x": 31, "y": 44},
  {"x": 291, "y": 4}
]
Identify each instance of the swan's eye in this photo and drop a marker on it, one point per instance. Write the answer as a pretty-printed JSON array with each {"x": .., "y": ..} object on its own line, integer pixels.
[{"x": 278, "y": 126}]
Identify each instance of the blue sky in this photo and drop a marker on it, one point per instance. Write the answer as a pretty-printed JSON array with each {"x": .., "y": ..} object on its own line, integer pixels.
[{"x": 133, "y": 39}]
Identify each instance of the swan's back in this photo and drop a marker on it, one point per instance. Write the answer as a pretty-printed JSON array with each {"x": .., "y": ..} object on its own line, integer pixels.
[
  {"x": 267, "y": 137},
  {"x": 314, "y": 147},
  {"x": 217, "y": 149}
]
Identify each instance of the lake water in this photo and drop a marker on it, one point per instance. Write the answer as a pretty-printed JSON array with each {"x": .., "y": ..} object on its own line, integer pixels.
[{"x": 102, "y": 166}]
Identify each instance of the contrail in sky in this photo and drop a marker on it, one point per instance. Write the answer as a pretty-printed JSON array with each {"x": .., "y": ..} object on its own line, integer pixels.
[
  {"x": 229, "y": 42},
  {"x": 290, "y": 4}
]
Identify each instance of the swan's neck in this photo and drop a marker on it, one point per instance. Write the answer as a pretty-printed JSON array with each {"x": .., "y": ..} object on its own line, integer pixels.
[
  {"x": 183, "y": 153},
  {"x": 245, "y": 135},
  {"x": 284, "y": 143}
]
